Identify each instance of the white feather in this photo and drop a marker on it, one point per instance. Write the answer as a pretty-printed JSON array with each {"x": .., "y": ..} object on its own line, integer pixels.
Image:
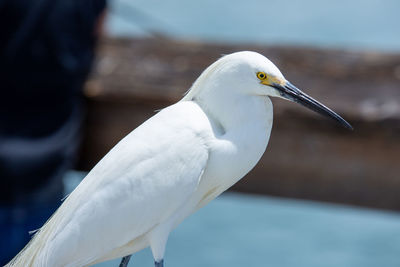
[{"x": 116, "y": 201}]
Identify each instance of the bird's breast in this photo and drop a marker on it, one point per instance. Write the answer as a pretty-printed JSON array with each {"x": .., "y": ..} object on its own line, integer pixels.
[{"x": 235, "y": 153}]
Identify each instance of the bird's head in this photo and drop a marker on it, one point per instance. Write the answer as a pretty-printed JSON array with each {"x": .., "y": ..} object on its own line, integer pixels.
[{"x": 251, "y": 73}]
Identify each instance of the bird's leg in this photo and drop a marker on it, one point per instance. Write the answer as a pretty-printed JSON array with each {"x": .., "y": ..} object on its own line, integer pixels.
[
  {"x": 159, "y": 263},
  {"x": 125, "y": 261}
]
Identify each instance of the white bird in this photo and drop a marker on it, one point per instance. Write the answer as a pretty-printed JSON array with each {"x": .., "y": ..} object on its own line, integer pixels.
[{"x": 169, "y": 167}]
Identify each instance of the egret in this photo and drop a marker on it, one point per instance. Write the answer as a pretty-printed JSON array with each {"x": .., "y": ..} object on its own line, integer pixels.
[{"x": 169, "y": 167}]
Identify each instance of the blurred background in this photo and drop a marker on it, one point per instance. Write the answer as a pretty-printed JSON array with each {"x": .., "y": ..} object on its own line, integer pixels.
[{"x": 77, "y": 76}]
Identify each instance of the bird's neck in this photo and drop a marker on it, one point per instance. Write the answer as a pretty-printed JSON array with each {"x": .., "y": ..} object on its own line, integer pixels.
[
  {"x": 237, "y": 111},
  {"x": 245, "y": 127}
]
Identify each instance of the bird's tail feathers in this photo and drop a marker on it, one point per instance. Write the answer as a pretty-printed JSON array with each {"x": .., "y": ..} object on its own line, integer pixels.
[{"x": 34, "y": 253}]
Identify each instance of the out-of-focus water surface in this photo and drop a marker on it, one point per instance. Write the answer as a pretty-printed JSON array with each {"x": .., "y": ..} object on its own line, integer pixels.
[
  {"x": 240, "y": 230},
  {"x": 353, "y": 24}
]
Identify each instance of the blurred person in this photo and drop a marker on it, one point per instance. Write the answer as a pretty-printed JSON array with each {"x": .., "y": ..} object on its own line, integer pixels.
[{"x": 46, "y": 51}]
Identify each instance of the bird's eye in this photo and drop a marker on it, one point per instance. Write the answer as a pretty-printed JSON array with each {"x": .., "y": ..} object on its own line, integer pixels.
[{"x": 261, "y": 75}]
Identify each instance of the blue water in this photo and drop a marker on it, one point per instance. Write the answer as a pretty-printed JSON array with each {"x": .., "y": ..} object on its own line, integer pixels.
[
  {"x": 240, "y": 230},
  {"x": 350, "y": 24}
]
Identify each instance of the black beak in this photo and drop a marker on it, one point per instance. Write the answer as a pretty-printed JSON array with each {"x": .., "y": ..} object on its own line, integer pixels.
[{"x": 294, "y": 94}]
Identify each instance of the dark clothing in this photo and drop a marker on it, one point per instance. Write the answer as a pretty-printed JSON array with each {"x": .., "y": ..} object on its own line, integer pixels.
[{"x": 46, "y": 51}]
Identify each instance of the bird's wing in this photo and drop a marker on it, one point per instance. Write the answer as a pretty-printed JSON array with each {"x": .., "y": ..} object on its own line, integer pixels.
[{"x": 142, "y": 181}]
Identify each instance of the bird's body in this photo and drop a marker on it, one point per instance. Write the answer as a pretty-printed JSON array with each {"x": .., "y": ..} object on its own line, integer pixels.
[{"x": 163, "y": 171}]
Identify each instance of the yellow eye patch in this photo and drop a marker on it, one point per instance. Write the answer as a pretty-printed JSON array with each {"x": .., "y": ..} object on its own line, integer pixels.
[
  {"x": 261, "y": 75},
  {"x": 268, "y": 79}
]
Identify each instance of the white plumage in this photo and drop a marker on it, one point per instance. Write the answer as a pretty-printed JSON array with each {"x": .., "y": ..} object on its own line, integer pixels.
[{"x": 166, "y": 169}]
